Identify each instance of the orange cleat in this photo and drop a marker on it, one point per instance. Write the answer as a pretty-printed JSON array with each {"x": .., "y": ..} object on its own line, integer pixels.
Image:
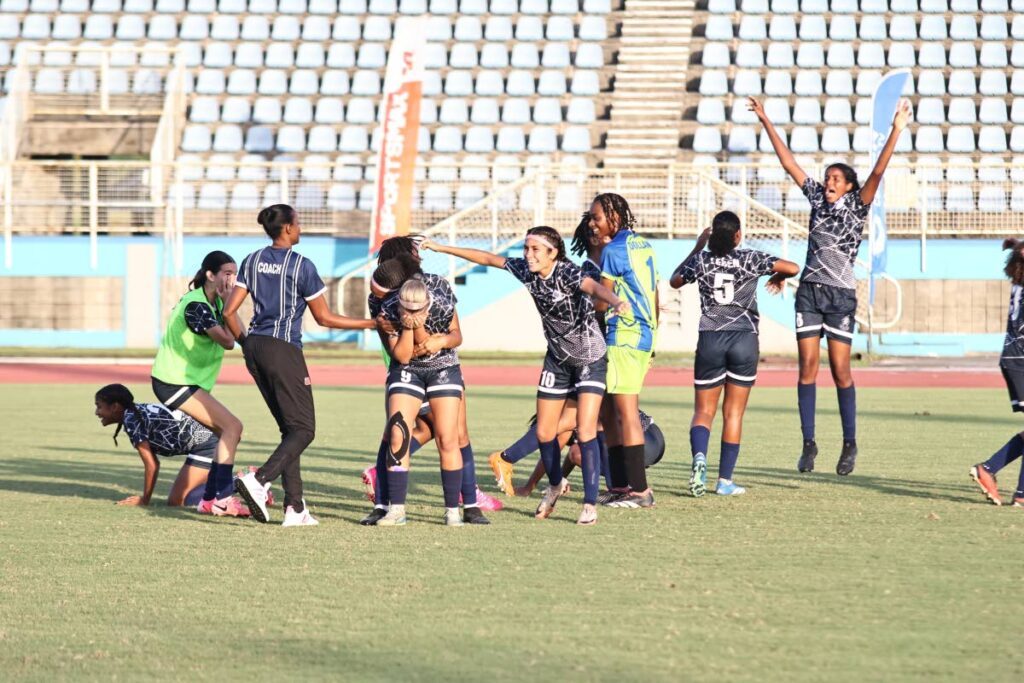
[
  {"x": 987, "y": 482},
  {"x": 502, "y": 473}
]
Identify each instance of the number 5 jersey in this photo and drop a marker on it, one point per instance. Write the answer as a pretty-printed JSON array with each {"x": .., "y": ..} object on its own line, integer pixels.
[{"x": 728, "y": 287}]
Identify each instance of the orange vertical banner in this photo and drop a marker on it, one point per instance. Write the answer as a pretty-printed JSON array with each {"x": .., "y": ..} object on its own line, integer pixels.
[{"x": 400, "y": 126}]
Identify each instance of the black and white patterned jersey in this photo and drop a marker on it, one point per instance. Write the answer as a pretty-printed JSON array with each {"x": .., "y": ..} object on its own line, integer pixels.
[
  {"x": 566, "y": 312},
  {"x": 169, "y": 432},
  {"x": 1013, "y": 345},
  {"x": 439, "y": 320},
  {"x": 728, "y": 287},
  {"x": 200, "y": 317},
  {"x": 591, "y": 270},
  {"x": 835, "y": 234}
]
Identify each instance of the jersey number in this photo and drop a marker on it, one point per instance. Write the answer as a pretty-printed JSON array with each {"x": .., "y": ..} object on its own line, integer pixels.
[
  {"x": 406, "y": 377},
  {"x": 547, "y": 379},
  {"x": 654, "y": 277},
  {"x": 724, "y": 289}
]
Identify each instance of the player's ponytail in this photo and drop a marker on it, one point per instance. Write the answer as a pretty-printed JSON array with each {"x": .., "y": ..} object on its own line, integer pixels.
[
  {"x": 551, "y": 238},
  {"x": 274, "y": 218},
  {"x": 213, "y": 262},
  {"x": 1014, "y": 269},
  {"x": 724, "y": 228},
  {"x": 581, "y": 237},
  {"x": 391, "y": 273},
  {"x": 121, "y": 395}
]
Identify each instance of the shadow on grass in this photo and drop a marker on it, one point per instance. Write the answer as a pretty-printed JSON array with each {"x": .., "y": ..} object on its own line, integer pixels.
[{"x": 895, "y": 487}]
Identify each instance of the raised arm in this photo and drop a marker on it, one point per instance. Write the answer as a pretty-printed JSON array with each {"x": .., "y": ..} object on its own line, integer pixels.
[
  {"x": 676, "y": 281},
  {"x": 780, "y": 271},
  {"x": 606, "y": 296},
  {"x": 325, "y": 317},
  {"x": 478, "y": 256},
  {"x": 232, "y": 322},
  {"x": 785, "y": 156},
  {"x": 152, "y": 469},
  {"x": 899, "y": 122}
]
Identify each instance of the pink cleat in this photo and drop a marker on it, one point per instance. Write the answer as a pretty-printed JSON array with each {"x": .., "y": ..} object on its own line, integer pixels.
[
  {"x": 370, "y": 482},
  {"x": 486, "y": 502},
  {"x": 205, "y": 507},
  {"x": 229, "y": 507}
]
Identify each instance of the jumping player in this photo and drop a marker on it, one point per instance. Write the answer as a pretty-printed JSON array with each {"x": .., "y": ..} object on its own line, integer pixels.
[
  {"x": 826, "y": 300},
  {"x": 727, "y": 345},
  {"x": 188, "y": 363},
  {"x": 575, "y": 358},
  {"x": 282, "y": 284},
  {"x": 1011, "y": 362},
  {"x": 155, "y": 430},
  {"x": 629, "y": 269}
]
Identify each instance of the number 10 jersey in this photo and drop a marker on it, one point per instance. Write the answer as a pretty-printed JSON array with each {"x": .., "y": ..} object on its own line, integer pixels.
[{"x": 728, "y": 287}]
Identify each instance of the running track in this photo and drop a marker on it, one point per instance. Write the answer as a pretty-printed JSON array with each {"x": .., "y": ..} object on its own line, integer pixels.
[{"x": 508, "y": 375}]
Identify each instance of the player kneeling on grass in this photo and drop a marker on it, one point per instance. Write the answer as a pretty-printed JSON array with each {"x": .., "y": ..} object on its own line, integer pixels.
[
  {"x": 1011, "y": 362},
  {"x": 727, "y": 346},
  {"x": 155, "y": 430},
  {"x": 576, "y": 359}
]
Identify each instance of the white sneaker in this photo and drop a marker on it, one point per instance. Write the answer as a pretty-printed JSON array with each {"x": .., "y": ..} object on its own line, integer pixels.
[
  {"x": 453, "y": 517},
  {"x": 588, "y": 516},
  {"x": 551, "y": 496},
  {"x": 395, "y": 516},
  {"x": 293, "y": 518},
  {"x": 254, "y": 495}
]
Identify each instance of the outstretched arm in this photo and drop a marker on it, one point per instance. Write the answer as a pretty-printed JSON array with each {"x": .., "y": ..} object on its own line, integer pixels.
[
  {"x": 899, "y": 122},
  {"x": 325, "y": 317},
  {"x": 781, "y": 270},
  {"x": 152, "y": 467},
  {"x": 602, "y": 293},
  {"x": 677, "y": 275},
  {"x": 478, "y": 256},
  {"x": 785, "y": 156}
]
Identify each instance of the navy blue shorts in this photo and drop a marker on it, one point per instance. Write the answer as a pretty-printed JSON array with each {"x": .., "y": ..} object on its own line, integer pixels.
[
  {"x": 204, "y": 454},
  {"x": 825, "y": 311},
  {"x": 1015, "y": 385},
  {"x": 726, "y": 357},
  {"x": 424, "y": 383},
  {"x": 560, "y": 381},
  {"x": 172, "y": 395}
]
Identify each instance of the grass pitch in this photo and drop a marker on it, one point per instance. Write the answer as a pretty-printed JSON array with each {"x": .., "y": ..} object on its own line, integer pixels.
[{"x": 898, "y": 572}]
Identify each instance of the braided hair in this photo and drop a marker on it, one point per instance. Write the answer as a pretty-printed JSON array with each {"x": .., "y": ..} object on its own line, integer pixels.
[
  {"x": 391, "y": 273},
  {"x": 1015, "y": 261},
  {"x": 400, "y": 244},
  {"x": 617, "y": 206},
  {"x": 581, "y": 237},
  {"x": 121, "y": 395}
]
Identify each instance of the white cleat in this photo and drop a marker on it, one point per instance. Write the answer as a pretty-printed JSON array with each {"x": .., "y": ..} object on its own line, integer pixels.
[
  {"x": 293, "y": 518},
  {"x": 255, "y": 496},
  {"x": 453, "y": 517},
  {"x": 551, "y": 496}
]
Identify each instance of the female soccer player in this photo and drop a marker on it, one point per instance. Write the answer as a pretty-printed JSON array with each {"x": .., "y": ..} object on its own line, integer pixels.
[
  {"x": 1011, "y": 362},
  {"x": 155, "y": 430},
  {"x": 826, "y": 300},
  {"x": 629, "y": 269},
  {"x": 576, "y": 352},
  {"x": 188, "y": 363},
  {"x": 282, "y": 284},
  {"x": 423, "y": 305},
  {"x": 727, "y": 346}
]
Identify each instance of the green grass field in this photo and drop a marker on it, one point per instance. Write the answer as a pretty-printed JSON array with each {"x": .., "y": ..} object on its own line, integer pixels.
[{"x": 898, "y": 572}]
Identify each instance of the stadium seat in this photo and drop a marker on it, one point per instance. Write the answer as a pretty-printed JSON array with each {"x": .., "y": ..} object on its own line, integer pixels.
[
  {"x": 932, "y": 28},
  {"x": 353, "y": 139},
  {"x": 803, "y": 140},
  {"x": 708, "y": 140},
  {"x": 962, "y": 83},
  {"x": 928, "y": 139},
  {"x": 747, "y": 82},
  {"x": 447, "y": 139},
  {"x": 839, "y": 83},
  {"x": 589, "y": 56},
  {"x": 267, "y": 110},
  {"x": 806, "y": 110},
  {"x": 489, "y": 83},
  {"x": 547, "y": 110},
  {"x": 751, "y": 28},
  {"x": 255, "y": 28},
  {"x": 933, "y": 56},
  {"x": 341, "y": 197},
  {"x": 992, "y": 82},
  {"x": 714, "y": 83},
  {"x": 780, "y": 56},
  {"x": 468, "y": 29},
  {"x": 212, "y": 196},
  {"x": 542, "y": 140},
  {"x": 321, "y": 139},
  {"x": 808, "y": 83},
  {"x": 933, "y": 83},
  {"x": 740, "y": 114},
  {"x": 210, "y": 82},
  {"x": 964, "y": 27},
  {"x": 515, "y": 110},
  {"x": 298, "y": 110},
  {"x": 842, "y": 28},
  {"x": 1017, "y": 139},
  {"x": 711, "y": 111},
  {"x": 555, "y": 56},
  {"x": 992, "y": 199},
  {"x": 235, "y": 110},
  {"x": 837, "y": 111},
  {"x": 840, "y": 56},
  {"x": 959, "y": 199},
  {"x": 992, "y": 110},
  {"x": 991, "y": 139},
  {"x": 479, "y": 140},
  {"x": 259, "y": 139},
  {"x": 511, "y": 139},
  {"x": 796, "y": 202},
  {"x": 1017, "y": 110},
  {"x": 862, "y": 137},
  {"x": 810, "y": 56},
  {"x": 961, "y": 110},
  {"x": 310, "y": 56},
  {"x": 483, "y": 111},
  {"x": 227, "y": 138},
  {"x": 720, "y": 28},
  {"x": 962, "y": 56},
  {"x": 716, "y": 56},
  {"x": 770, "y": 196},
  {"x": 722, "y": 6},
  {"x": 202, "y": 110},
  {"x": 778, "y": 84},
  {"x": 576, "y": 140},
  {"x": 835, "y": 139},
  {"x": 812, "y": 28},
  {"x": 97, "y": 27},
  {"x": 217, "y": 56},
  {"x": 871, "y": 6},
  {"x": 494, "y": 56},
  {"x": 592, "y": 28},
  {"x": 551, "y": 83},
  {"x": 901, "y": 55},
  {"x": 873, "y": 28},
  {"x": 742, "y": 140}
]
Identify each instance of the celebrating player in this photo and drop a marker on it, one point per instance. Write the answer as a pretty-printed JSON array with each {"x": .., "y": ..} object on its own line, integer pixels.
[
  {"x": 282, "y": 284},
  {"x": 575, "y": 358},
  {"x": 727, "y": 345},
  {"x": 188, "y": 362},
  {"x": 826, "y": 300},
  {"x": 1011, "y": 362},
  {"x": 629, "y": 269},
  {"x": 155, "y": 430}
]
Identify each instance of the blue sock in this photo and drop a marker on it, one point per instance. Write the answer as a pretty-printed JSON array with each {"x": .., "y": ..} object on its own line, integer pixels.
[
  {"x": 605, "y": 469},
  {"x": 727, "y": 462},
  {"x": 468, "y": 477},
  {"x": 807, "y": 397},
  {"x": 848, "y": 411},
  {"x": 398, "y": 486},
  {"x": 699, "y": 438},
  {"x": 414, "y": 445},
  {"x": 590, "y": 455},
  {"x": 210, "y": 490},
  {"x": 380, "y": 491},
  {"x": 520, "y": 449},
  {"x": 1005, "y": 455},
  {"x": 550, "y": 454},
  {"x": 193, "y": 497},
  {"x": 451, "y": 484},
  {"x": 225, "y": 480},
  {"x": 1019, "y": 493}
]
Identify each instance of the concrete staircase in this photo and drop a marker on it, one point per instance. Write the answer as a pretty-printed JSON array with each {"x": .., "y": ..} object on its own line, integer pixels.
[{"x": 650, "y": 82}]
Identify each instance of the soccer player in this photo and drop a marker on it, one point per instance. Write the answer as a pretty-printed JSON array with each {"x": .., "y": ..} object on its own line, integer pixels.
[
  {"x": 826, "y": 300},
  {"x": 629, "y": 269},
  {"x": 155, "y": 430},
  {"x": 727, "y": 344},
  {"x": 189, "y": 360},
  {"x": 424, "y": 307},
  {"x": 1011, "y": 362},
  {"x": 282, "y": 284},
  {"x": 575, "y": 358}
]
